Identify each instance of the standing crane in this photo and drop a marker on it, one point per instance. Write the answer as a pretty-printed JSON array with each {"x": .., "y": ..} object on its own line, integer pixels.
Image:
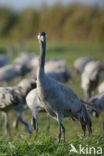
[{"x": 58, "y": 100}]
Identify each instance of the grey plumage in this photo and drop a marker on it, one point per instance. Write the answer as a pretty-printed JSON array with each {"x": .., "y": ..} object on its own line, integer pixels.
[
  {"x": 60, "y": 76},
  {"x": 8, "y": 98},
  {"x": 80, "y": 63},
  {"x": 56, "y": 69},
  {"x": 35, "y": 106},
  {"x": 90, "y": 77},
  {"x": 10, "y": 72},
  {"x": 4, "y": 59},
  {"x": 14, "y": 98},
  {"x": 58, "y": 100},
  {"x": 101, "y": 87},
  {"x": 23, "y": 58},
  {"x": 24, "y": 61},
  {"x": 18, "y": 68},
  {"x": 97, "y": 103},
  {"x": 23, "y": 88}
]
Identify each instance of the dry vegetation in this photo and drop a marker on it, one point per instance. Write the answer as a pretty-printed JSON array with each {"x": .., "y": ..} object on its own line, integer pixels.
[{"x": 74, "y": 22}]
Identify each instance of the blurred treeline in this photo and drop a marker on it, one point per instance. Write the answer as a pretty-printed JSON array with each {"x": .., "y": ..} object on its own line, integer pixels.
[{"x": 68, "y": 22}]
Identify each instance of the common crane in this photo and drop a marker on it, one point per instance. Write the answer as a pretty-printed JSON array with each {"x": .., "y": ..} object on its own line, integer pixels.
[
  {"x": 58, "y": 100},
  {"x": 90, "y": 77}
]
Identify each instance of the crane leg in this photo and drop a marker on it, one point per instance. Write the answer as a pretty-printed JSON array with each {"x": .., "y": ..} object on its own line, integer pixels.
[
  {"x": 63, "y": 130},
  {"x": 7, "y": 126},
  {"x": 48, "y": 120},
  {"x": 61, "y": 127},
  {"x": 60, "y": 133},
  {"x": 35, "y": 124}
]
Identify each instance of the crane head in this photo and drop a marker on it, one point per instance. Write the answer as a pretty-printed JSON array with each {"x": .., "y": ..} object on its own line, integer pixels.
[{"x": 42, "y": 37}]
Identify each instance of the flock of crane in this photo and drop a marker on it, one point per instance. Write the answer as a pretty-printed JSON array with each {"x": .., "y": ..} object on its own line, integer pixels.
[{"x": 43, "y": 90}]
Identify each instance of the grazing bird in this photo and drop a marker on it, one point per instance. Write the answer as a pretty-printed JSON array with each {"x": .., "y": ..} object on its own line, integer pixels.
[
  {"x": 81, "y": 62},
  {"x": 90, "y": 77},
  {"x": 23, "y": 88},
  {"x": 54, "y": 65},
  {"x": 58, "y": 100},
  {"x": 56, "y": 69},
  {"x": 23, "y": 58},
  {"x": 7, "y": 95},
  {"x": 9, "y": 99},
  {"x": 4, "y": 59},
  {"x": 13, "y": 98},
  {"x": 51, "y": 65},
  {"x": 10, "y": 72},
  {"x": 24, "y": 61},
  {"x": 35, "y": 106},
  {"x": 101, "y": 87},
  {"x": 18, "y": 68},
  {"x": 61, "y": 76},
  {"x": 98, "y": 105}
]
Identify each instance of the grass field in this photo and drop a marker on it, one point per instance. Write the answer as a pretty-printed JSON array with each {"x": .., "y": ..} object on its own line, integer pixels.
[{"x": 20, "y": 143}]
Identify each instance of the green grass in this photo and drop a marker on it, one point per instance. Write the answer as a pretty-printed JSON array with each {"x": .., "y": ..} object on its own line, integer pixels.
[
  {"x": 43, "y": 145},
  {"x": 20, "y": 143}
]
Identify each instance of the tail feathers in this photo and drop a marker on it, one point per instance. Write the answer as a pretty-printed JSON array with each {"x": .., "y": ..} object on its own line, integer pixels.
[{"x": 85, "y": 119}]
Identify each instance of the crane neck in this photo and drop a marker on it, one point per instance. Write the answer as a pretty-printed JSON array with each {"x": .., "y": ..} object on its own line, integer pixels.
[{"x": 42, "y": 57}]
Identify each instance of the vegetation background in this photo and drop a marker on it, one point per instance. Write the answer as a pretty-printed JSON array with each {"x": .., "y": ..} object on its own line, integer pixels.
[
  {"x": 65, "y": 22},
  {"x": 73, "y": 30}
]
